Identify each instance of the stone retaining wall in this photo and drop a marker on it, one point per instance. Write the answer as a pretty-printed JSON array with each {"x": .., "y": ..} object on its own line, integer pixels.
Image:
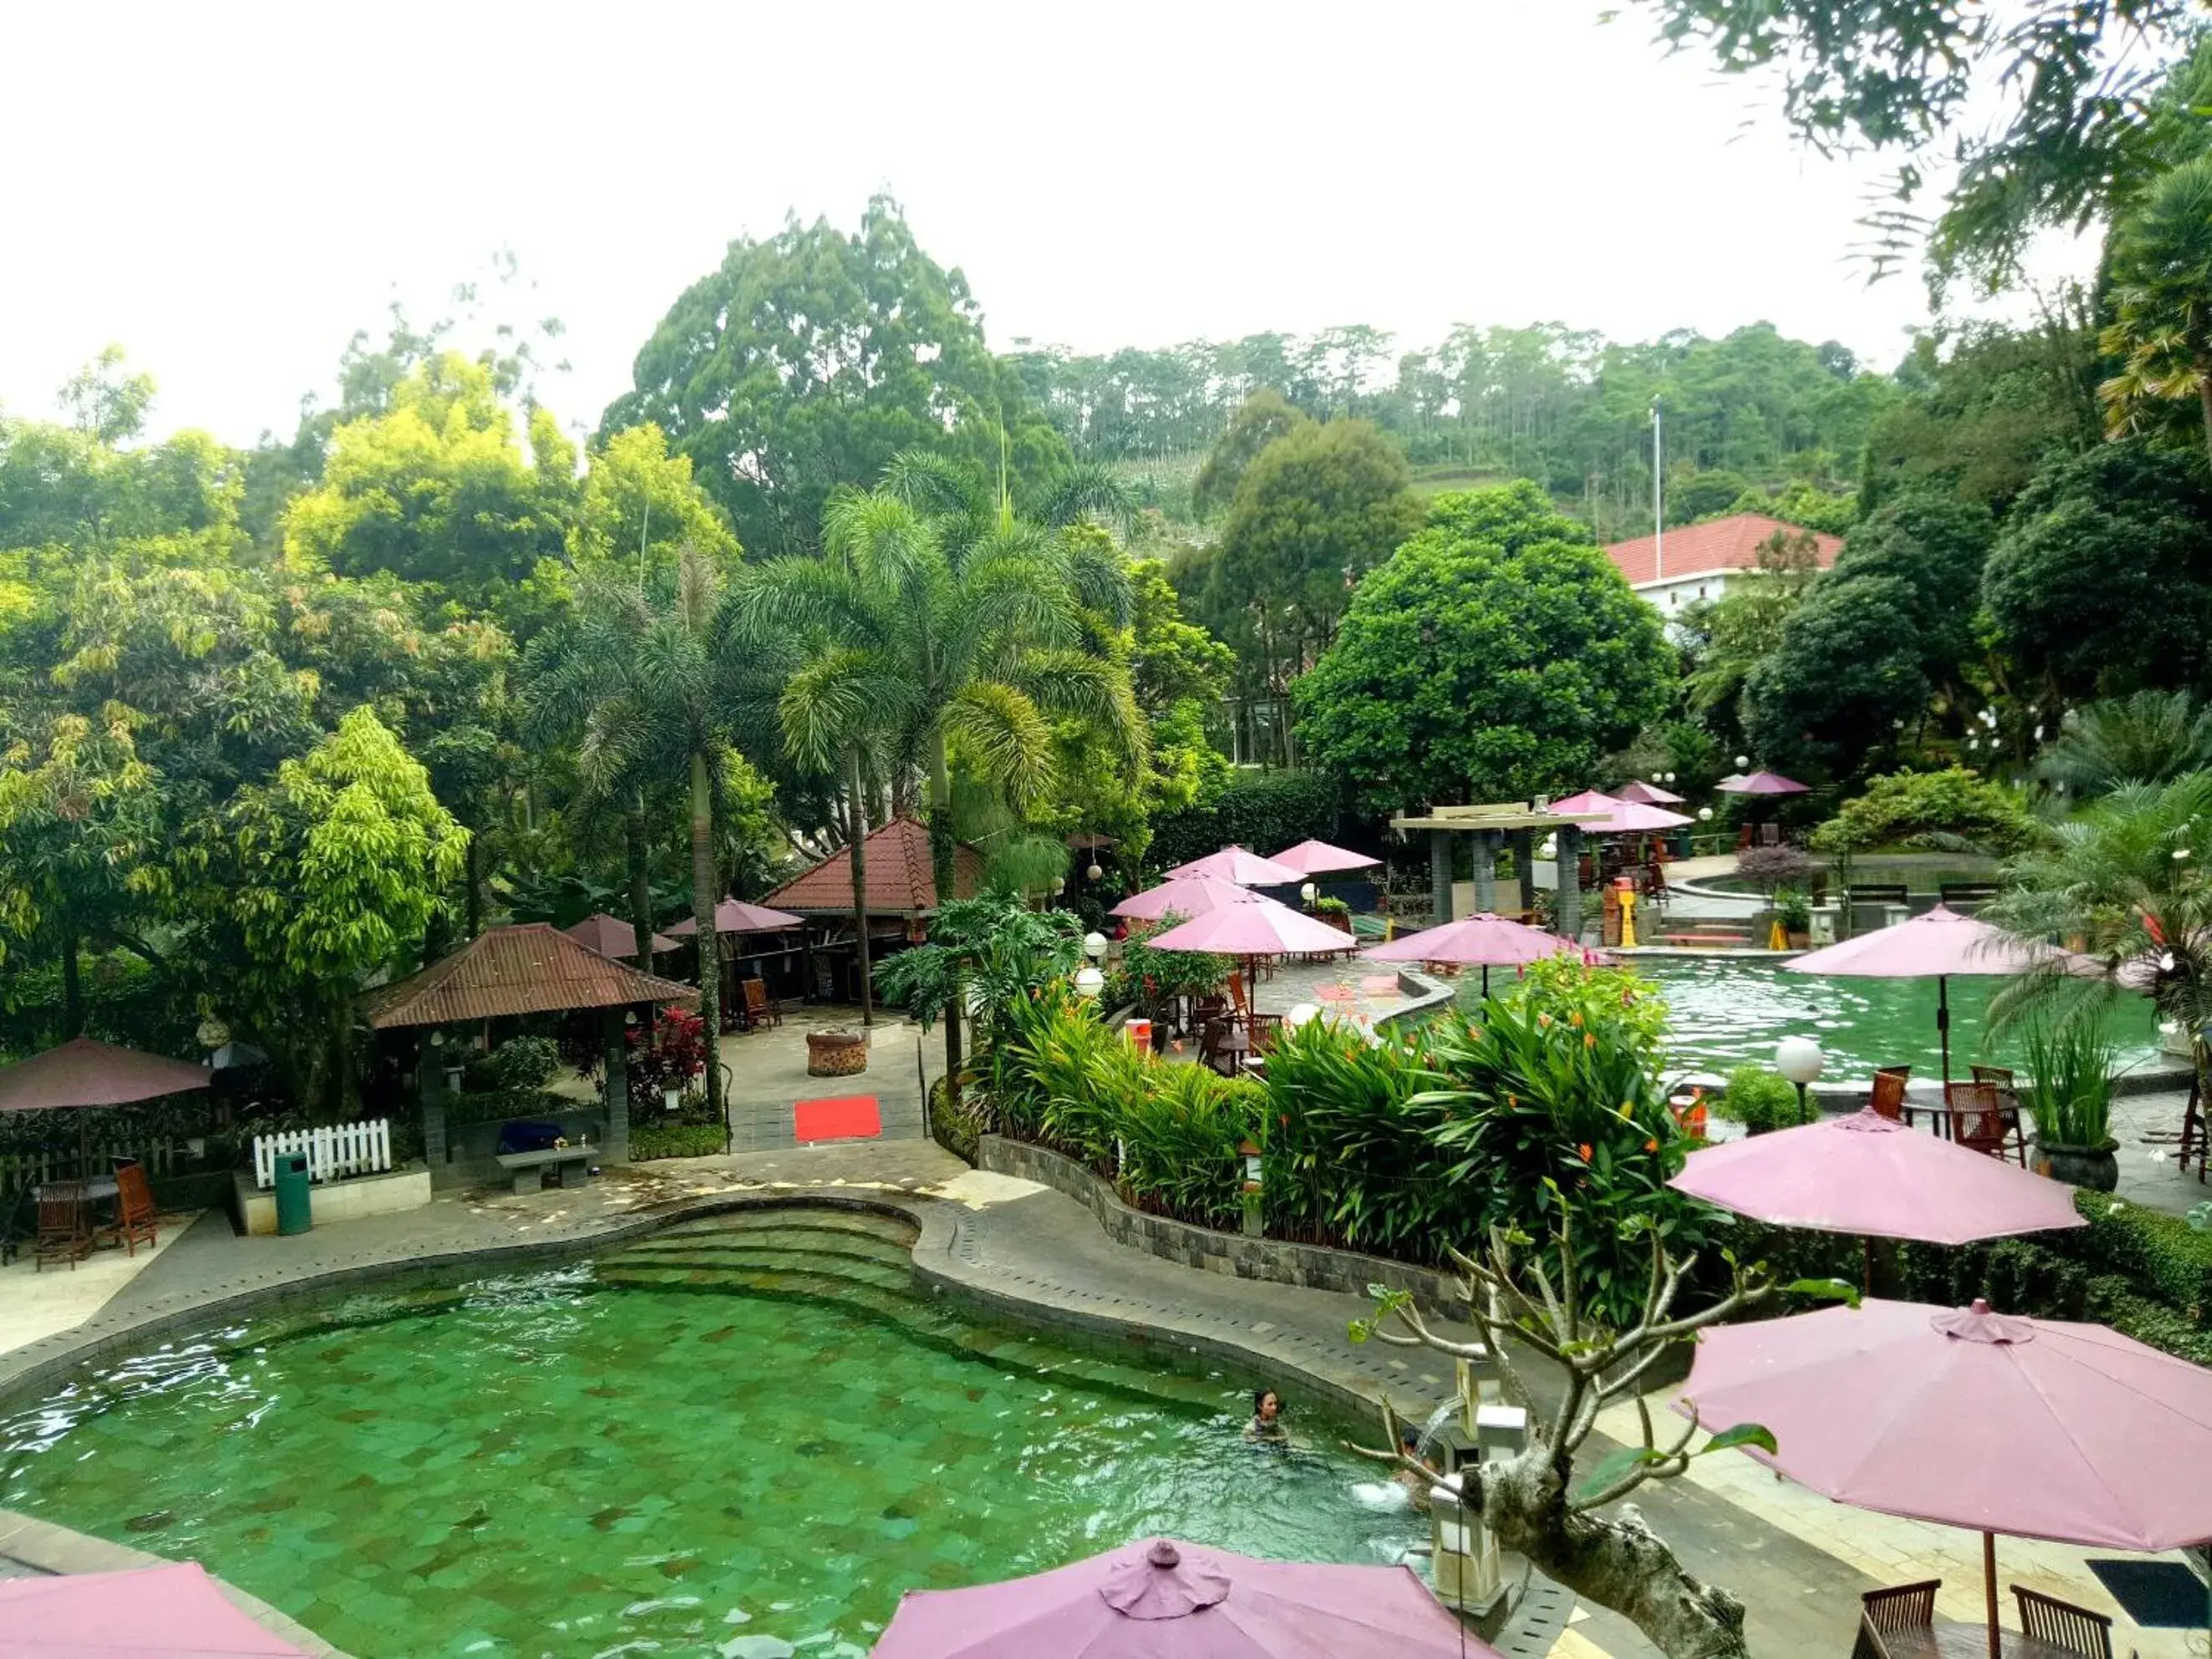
[{"x": 1273, "y": 1260}]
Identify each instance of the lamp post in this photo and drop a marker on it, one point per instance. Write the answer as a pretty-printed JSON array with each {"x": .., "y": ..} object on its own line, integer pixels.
[{"x": 1800, "y": 1059}]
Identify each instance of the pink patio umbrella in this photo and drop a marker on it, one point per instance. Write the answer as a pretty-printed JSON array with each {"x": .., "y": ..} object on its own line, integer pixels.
[
  {"x": 85, "y": 1072},
  {"x": 736, "y": 916},
  {"x": 610, "y": 936},
  {"x": 1935, "y": 946},
  {"x": 1318, "y": 858},
  {"x": 1762, "y": 783},
  {"x": 174, "y": 1609},
  {"x": 1245, "y": 869},
  {"x": 1649, "y": 793},
  {"x": 1868, "y": 1175},
  {"x": 1623, "y": 817},
  {"x": 1158, "y": 1599},
  {"x": 1489, "y": 940},
  {"x": 2031, "y": 1427},
  {"x": 1185, "y": 896},
  {"x": 1263, "y": 927}
]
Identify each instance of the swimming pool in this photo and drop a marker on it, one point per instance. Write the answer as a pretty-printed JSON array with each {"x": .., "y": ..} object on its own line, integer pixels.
[
  {"x": 1724, "y": 1011},
  {"x": 745, "y": 1435}
]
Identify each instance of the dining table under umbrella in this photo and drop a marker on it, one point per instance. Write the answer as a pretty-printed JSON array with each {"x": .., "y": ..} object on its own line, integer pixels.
[
  {"x": 1264, "y": 928},
  {"x": 1244, "y": 867},
  {"x": 173, "y": 1608},
  {"x": 1318, "y": 858},
  {"x": 1486, "y": 941},
  {"x": 1877, "y": 1178},
  {"x": 610, "y": 936},
  {"x": 83, "y": 1074},
  {"x": 1162, "y": 1598},
  {"x": 1937, "y": 945},
  {"x": 2033, "y": 1428},
  {"x": 1183, "y": 896}
]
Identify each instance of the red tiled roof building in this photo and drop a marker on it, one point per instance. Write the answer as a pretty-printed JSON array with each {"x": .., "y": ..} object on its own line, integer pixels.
[
  {"x": 1695, "y": 561},
  {"x": 900, "y": 880}
]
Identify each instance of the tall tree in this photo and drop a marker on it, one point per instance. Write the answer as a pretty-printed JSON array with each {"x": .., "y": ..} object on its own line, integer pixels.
[
  {"x": 2162, "y": 281},
  {"x": 814, "y": 357}
]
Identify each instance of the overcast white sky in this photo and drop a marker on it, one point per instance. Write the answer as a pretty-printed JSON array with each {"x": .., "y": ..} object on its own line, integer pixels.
[{"x": 230, "y": 191}]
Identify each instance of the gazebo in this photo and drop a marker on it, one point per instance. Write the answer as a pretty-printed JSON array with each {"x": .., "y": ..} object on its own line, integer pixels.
[
  {"x": 902, "y": 890},
  {"x": 1515, "y": 823},
  {"x": 534, "y": 968}
]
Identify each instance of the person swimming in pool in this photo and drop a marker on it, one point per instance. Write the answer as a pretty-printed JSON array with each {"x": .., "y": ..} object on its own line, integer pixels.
[{"x": 1266, "y": 1423}]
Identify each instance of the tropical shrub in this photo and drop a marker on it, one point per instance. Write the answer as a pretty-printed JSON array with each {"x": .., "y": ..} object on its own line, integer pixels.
[
  {"x": 2069, "y": 1091},
  {"x": 673, "y": 1055},
  {"x": 1148, "y": 979},
  {"x": 522, "y": 1062},
  {"x": 1179, "y": 1133},
  {"x": 1334, "y": 911},
  {"x": 1951, "y": 810},
  {"x": 1760, "y": 1100},
  {"x": 1265, "y": 813},
  {"x": 676, "y": 1140}
]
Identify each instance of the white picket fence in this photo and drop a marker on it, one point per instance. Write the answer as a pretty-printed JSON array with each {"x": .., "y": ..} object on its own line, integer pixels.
[{"x": 343, "y": 1149}]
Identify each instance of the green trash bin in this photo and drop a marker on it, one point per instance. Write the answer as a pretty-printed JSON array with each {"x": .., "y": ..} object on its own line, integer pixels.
[{"x": 292, "y": 1211}]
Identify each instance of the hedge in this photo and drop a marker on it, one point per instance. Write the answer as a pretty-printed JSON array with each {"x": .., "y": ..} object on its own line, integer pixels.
[
  {"x": 1265, "y": 812},
  {"x": 2160, "y": 1255},
  {"x": 677, "y": 1141}
]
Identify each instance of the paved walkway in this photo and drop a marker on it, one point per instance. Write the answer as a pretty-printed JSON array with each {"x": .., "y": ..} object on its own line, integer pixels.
[{"x": 1799, "y": 1563}]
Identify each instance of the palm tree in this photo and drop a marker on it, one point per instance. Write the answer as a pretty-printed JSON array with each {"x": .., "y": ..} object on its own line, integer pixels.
[
  {"x": 646, "y": 674},
  {"x": 2162, "y": 278},
  {"x": 938, "y": 620},
  {"x": 2152, "y": 737},
  {"x": 2122, "y": 882}
]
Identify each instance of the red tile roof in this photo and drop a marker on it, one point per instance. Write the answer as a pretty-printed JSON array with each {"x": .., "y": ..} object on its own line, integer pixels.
[
  {"x": 535, "y": 969},
  {"x": 1698, "y": 550},
  {"x": 900, "y": 882}
]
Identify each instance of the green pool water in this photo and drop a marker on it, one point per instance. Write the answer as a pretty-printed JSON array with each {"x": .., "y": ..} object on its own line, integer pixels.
[
  {"x": 1723, "y": 1013},
  {"x": 743, "y": 1437}
]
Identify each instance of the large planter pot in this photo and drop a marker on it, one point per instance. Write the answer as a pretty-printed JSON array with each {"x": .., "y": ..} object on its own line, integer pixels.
[
  {"x": 836, "y": 1054},
  {"x": 2097, "y": 1168}
]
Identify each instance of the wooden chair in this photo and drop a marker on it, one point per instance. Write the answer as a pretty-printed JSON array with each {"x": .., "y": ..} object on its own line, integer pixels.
[
  {"x": 1888, "y": 1096},
  {"x": 1983, "y": 1121},
  {"x": 1237, "y": 994},
  {"x": 136, "y": 1220},
  {"x": 2063, "y": 1625},
  {"x": 761, "y": 1008},
  {"x": 64, "y": 1226},
  {"x": 1213, "y": 1051},
  {"x": 1895, "y": 1612},
  {"x": 1266, "y": 1030},
  {"x": 1869, "y": 1644}
]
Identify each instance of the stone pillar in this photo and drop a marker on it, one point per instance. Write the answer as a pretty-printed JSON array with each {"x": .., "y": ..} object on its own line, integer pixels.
[
  {"x": 430, "y": 1089},
  {"x": 1486, "y": 871},
  {"x": 1569, "y": 838},
  {"x": 1524, "y": 844},
  {"x": 1440, "y": 873},
  {"x": 618, "y": 1087}
]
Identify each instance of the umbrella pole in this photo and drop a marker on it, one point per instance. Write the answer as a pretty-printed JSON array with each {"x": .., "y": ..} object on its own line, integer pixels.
[
  {"x": 1485, "y": 982},
  {"x": 1989, "y": 1593},
  {"x": 83, "y": 1149},
  {"x": 1866, "y": 1264},
  {"x": 1943, "y": 1029}
]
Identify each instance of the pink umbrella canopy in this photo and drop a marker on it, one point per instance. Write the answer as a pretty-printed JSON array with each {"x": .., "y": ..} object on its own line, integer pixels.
[
  {"x": 1649, "y": 793},
  {"x": 1486, "y": 941},
  {"x": 2031, "y": 1427},
  {"x": 1623, "y": 817},
  {"x": 1185, "y": 896},
  {"x": 1869, "y": 1175},
  {"x": 1260, "y": 928},
  {"x": 1935, "y": 946},
  {"x": 1245, "y": 869},
  {"x": 174, "y": 1609},
  {"x": 1318, "y": 858},
  {"x": 610, "y": 936},
  {"x": 1158, "y": 1599},
  {"x": 84, "y": 1073},
  {"x": 736, "y": 916},
  {"x": 1762, "y": 783}
]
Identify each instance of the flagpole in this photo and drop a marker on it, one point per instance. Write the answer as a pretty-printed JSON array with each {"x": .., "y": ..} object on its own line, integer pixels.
[{"x": 1658, "y": 488}]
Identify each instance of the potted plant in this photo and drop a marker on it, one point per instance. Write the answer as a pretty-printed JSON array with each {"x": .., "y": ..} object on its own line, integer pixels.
[
  {"x": 1335, "y": 912},
  {"x": 2069, "y": 1094},
  {"x": 1793, "y": 909}
]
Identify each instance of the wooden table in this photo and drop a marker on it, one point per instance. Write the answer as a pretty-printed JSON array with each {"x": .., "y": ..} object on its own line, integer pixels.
[
  {"x": 1230, "y": 1049},
  {"x": 1949, "y": 1639}
]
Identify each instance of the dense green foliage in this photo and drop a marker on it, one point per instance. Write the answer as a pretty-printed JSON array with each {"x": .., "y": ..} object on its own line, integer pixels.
[
  {"x": 1952, "y": 809},
  {"x": 1761, "y": 1100},
  {"x": 1497, "y": 655},
  {"x": 1265, "y": 811}
]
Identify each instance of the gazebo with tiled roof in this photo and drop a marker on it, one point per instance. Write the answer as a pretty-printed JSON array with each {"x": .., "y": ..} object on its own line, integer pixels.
[
  {"x": 533, "y": 968},
  {"x": 901, "y": 887}
]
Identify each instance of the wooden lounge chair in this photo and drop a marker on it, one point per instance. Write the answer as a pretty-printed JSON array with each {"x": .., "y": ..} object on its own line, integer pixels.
[
  {"x": 136, "y": 1220},
  {"x": 1907, "y": 1610},
  {"x": 1983, "y": 1121},
  {"x": 761, "y": 1008},
  {"x": 2075, "y": 1629},
  {"x": 1888, "y": 1096},
  {"x": 64, "y": 1226}
]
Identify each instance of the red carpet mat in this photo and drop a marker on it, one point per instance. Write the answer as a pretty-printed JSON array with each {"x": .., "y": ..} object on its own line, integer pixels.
[{"x": 848, "y": 1117}]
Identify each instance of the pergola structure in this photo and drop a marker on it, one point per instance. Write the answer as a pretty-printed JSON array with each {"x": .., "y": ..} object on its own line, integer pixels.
[
  {"x": 1514, "y": 823},
  {"x": 534, "y": 968}
]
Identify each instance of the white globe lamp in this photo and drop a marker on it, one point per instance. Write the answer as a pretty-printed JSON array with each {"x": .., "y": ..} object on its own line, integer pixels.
[
  {"x": 1094, "y": 946},
  {"x": 1089, "y": 981},
  {"x": 1800, "y": 1061}
]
